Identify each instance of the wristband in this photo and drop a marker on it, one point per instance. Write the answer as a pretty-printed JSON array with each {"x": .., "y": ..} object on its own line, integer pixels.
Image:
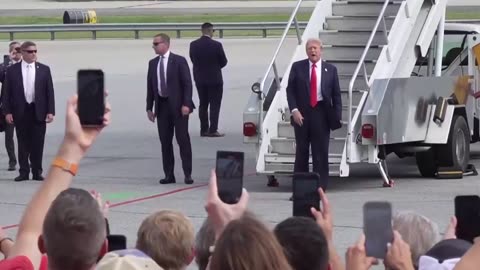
[{"x": 65, "y": 165}]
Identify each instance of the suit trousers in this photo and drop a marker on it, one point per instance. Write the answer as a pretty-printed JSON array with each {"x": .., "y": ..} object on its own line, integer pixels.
[
  {"x": 168, "y": 123},
  {"x": 31, "y": 140},
  {"x": 10, "y": 144},
  {"x": 209, "y": 95},
  {"x": 314, "y": 133}
]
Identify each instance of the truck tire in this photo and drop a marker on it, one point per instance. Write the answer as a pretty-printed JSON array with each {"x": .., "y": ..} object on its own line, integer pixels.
[
  {"x": 456, "y": 153},
  {"x": 427, "y": 163}
]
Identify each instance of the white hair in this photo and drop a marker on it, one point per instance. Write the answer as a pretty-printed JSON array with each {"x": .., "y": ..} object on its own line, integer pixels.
[
  {"x": 314, "y": 40},
  {"x": 416, "y": 230}
]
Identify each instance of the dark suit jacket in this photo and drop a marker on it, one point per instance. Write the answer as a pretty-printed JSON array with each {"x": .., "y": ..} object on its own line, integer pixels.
[
  {"x": 3, "y": 72},
  {"x": 179, "y": 84},
  {"x": 14, "y": 96},
  {"x": 298, "y": 90},
  {"x": 208, "y": 58}
]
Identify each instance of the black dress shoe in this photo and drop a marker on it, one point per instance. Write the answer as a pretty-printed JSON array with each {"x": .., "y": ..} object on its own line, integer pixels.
[
  {"x": 38, "y": 178},
  {"x": 203, "y": 134},
  {"x": 273, "y": 182},
  {"x": 169, "y": 180},
  {"x": 188, "y": 180},
  {"x": 11, "y": 168},
  {"x": 21, "y": 178},
  {"x": 216, "y": 134}
]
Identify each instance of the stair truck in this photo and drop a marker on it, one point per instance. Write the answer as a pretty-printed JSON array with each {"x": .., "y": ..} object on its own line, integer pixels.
[{"x": 409, "y": 82}]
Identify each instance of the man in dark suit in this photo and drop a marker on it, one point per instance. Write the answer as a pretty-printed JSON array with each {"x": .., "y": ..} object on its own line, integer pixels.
[
  {"x": 15, "y": 56},
  {"x": 169, "y": 88},
  {"x": 29, "y": 105},
  {"x": 208, "y": 58},
  {"x": 314, "y": 99}
]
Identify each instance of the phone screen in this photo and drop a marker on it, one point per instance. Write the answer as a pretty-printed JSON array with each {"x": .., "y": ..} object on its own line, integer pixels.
[
  {"x": 91, "y": 97},
  {"x": 229, "y": 170},
  {"x": 305, "y": 194},
  {"x": 467, "y": 211},
  {"x": 6, "y": 60},
  {"x": 116, "y": 242},
  {"x": 377, "y": 226}
]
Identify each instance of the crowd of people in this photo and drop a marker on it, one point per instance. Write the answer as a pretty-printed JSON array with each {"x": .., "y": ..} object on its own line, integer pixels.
[{"x": 67, "y": 228}]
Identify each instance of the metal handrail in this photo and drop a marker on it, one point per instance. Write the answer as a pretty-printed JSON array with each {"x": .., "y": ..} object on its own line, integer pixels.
[
  {"x": 273, "y": 64},
  {"x": 137, "y": 27},
  {"x": 361, "y": 63},
  {"x": 284, "y": 35}
]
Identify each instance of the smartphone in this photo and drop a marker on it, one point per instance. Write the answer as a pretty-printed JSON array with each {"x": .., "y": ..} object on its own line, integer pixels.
[
  {"x": 467, "y": 211},
  {"x": 116, "y": 242},
  {"x": 377, "y": 226},
  {"x": 229, "y": 170},
  {"x": 305, "y": 194},
  {"x": 91, "y": 97},
  {"x": 6, "y": 60}
]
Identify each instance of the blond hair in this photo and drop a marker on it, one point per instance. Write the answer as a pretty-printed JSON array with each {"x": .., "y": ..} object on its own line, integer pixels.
[
  {"x": 168, "y": 238},
  {"x": 247, "y": 244}
]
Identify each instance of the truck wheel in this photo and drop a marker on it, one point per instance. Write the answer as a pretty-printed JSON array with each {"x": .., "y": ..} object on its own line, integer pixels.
[
  {"x": 426, "y": 163},
  {"x": 456, "y": 152}
]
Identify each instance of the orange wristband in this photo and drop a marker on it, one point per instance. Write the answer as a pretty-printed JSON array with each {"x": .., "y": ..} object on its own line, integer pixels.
[{"x": 65, "y": 165}]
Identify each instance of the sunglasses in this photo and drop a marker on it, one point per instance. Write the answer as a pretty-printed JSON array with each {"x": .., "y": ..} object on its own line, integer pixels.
[
  {"x": 18, "y": 49},
  {"x": 156, "y": 43},
  {"x": 30, "y": 51}
]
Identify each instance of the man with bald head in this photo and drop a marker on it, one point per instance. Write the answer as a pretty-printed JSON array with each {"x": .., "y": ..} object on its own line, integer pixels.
[{"x": 314, "y": 99}]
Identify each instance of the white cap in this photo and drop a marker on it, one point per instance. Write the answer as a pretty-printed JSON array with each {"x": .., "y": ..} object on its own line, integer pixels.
[
  {"x": 128, "y": 259},
  {"x": 429, "y": 263}
]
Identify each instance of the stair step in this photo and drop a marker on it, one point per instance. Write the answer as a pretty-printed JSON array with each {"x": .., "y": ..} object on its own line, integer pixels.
[
  {"x": 348, "y": 67},
  {"x": 287, "y": 146},
  {"x": 350, "y": 53},
  {"x": 359, "y": 84},
  {"x": 374, "y": 1},
  {"x": 331, "y": 37},
  {"x": 287, "y": 168},
  {"x": 278, "y": 158},
  {"x": 349, "y": 23},
  {"x": 370, "y": 8},
  {"x": 285, "y": 130}
]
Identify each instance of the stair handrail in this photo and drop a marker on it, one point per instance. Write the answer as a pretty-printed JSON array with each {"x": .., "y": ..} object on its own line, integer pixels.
[
  {"x": 261, "y": 85},
  {"x": 361, "y": 62}
]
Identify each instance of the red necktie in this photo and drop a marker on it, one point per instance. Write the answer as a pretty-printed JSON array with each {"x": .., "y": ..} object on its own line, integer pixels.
[{"x": 313, "y": 87}]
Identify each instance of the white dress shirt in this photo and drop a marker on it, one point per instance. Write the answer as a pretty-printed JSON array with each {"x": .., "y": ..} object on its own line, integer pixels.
[
  {"x": 165, "y": 65},
  {"x": 28, "y": 75},
  {"x": 318, "y": 71}
]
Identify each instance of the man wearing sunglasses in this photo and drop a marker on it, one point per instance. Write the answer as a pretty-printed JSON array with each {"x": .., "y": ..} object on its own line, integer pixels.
[
  {"x": 169, "y": 88},
  {"x": 29, "y": 104},
  {"x": 13, "y": 57}
]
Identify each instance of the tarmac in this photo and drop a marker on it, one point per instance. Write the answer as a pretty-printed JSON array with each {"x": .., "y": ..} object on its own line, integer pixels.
[
  {"x": 110, "y": 8},
  {"x": 125, "y": 162}
]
